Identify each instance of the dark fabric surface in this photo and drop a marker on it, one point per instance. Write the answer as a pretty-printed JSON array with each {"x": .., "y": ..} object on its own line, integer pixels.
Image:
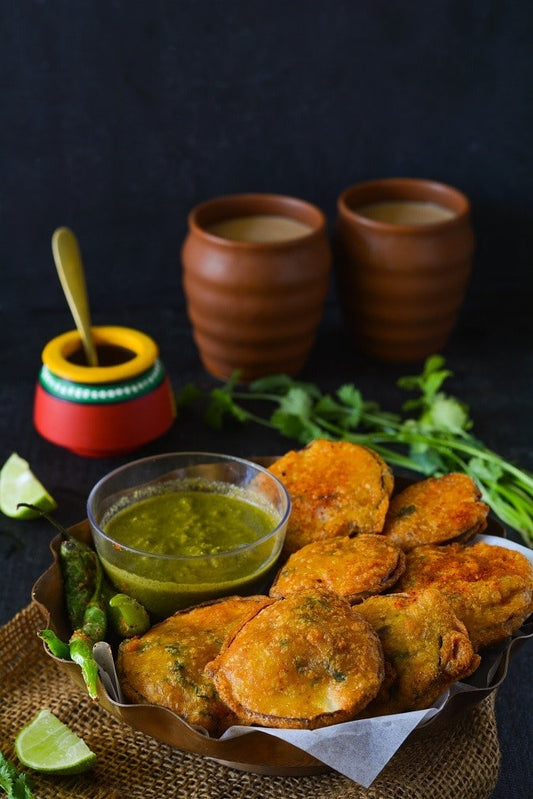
[
  {"x": 495, "y": 381},
  {"x": 118, "y": 117}
]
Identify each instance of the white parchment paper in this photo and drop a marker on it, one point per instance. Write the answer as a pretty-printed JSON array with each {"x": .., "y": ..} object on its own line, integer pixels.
[{"x": 357, "y": 749}]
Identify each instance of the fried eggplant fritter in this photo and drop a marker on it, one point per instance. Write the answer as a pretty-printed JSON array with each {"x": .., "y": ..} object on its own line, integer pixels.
[
  {"x": 304, "y": 662},
  {"x": 489, "y": 587},
  {"x": 165, "y": 666},
  {"x": 336, "y": 488},
  {"x": 437, "y": 510},
  {"x": 354, "y": 568},
  {"x": 426, "y": 649}
]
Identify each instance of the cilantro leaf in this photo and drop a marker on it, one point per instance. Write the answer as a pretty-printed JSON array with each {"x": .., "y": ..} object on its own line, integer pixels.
[
  {"x": 428, "y": 383},
  {"x": 17, "y": 785},
  {"x": 221, "y": 404},
  {"x": 294, "y": 417}
]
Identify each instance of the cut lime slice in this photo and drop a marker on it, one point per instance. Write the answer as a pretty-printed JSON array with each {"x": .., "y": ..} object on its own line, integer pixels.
[
  {"x": 19, "y": 484},
  {"x": 47, "y": 745}
]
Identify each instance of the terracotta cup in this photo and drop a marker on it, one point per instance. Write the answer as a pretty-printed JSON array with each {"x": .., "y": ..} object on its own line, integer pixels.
[
  {"x": 256, "y": 270},
  {"x": 403, "y": 261}
]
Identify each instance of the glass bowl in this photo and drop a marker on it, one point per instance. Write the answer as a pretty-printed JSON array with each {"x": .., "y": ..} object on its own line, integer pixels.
[{"x": 158, "y": 574}]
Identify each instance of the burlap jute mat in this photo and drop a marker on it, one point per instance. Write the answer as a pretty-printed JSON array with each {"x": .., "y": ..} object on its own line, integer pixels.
[{"x": 460, "y": 762}]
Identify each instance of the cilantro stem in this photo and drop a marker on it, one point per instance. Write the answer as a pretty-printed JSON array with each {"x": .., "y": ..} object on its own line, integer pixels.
[{"x": 475, "y": 451}]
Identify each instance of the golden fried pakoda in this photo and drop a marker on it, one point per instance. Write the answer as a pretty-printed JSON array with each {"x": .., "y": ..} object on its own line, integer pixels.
[
  {"x": 336, "y": 488},
  {"x": 165, "y": 666},
  {"x": 437, "y": 510},
  {"x": 354, "y": 568},
  {"x": 425, "y": 646},
  {"x": 303, "y": 662},
  {"x": 489, "y": 587}
]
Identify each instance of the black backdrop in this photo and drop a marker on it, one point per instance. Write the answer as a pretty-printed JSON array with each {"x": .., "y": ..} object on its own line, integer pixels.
[{"x": 117, "y": 117}]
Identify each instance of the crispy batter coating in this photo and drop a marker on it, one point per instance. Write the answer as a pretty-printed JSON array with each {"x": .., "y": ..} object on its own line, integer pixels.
[
  {"x": 303, "y": 657},
  {"x": 336, "y": 488},
  {"x": 165, "y": 666},
  {"x": 489, "y": 587},
  {"x": 425, "y": 645},
  {"x": 354, "y": 568},
  {"x": 303, "y": 662},
  {"x": 437, "y": 510}
]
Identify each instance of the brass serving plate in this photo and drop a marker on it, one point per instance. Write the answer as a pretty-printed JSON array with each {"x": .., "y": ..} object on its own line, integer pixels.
[{"x": 257, "y": 751}]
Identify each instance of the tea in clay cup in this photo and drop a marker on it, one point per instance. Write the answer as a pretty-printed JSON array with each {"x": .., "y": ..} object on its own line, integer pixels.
[
  {"x": 403, "y": 262},
  {"x": 256, "y": 271}
]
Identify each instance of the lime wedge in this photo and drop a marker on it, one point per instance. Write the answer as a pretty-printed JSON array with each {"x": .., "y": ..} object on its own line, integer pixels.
[
  {"x": 47, "y": 745},
  {"x": 19, "y": 484}
]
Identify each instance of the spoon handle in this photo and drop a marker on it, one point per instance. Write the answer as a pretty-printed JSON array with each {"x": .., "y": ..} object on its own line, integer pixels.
[{"x": 69, "y": 267}]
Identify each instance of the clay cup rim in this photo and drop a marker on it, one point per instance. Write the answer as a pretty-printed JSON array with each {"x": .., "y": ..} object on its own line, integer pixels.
[
  {"x": 224, "y": 207},
  {"x": 414, "y": 189}
]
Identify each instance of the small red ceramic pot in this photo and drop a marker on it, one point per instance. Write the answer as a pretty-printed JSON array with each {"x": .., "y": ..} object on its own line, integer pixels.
[{"x": 113, "y": 408}]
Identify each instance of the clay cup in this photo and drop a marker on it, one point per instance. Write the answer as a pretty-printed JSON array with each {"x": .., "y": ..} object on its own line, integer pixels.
[
  {"x": 402, "y": 280},
  {"x": 256, "y": 270}
]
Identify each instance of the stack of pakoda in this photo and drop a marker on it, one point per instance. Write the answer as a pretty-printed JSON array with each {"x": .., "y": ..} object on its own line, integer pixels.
[{"x": 380, "y": 604}]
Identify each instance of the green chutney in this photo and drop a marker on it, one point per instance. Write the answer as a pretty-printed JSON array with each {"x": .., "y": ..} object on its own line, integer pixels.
[
  {"x": 189, "y": 523},
  {"x": 220, "y": 543}
]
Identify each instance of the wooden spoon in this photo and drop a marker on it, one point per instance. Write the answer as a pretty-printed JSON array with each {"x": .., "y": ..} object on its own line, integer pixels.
[{"x": 69, "y": 267}]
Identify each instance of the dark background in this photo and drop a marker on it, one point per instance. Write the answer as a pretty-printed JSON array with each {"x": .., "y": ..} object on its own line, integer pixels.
[{"x": 118, "y": 117}]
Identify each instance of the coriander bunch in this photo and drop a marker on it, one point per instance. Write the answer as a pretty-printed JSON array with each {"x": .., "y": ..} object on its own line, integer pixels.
[{"x": 432, "y": 435}]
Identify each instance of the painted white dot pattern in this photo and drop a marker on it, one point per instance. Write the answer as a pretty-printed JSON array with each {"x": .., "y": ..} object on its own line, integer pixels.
[{"x": 101, "y": 393}]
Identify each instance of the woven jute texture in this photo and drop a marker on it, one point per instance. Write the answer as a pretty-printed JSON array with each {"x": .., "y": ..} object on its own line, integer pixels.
[{"x": 459, "y": 762}]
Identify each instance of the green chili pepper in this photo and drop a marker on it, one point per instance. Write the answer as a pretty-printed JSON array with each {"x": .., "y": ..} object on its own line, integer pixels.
[
  {"x": 127, "y": 616},
  {"x": 56, "y": 646},
  {"x": 94, "y": 618},
  {"x": 93, "y": 629},
  {"x": 81, "y": 652},
  {"x": 78, "y": 567},
  {"x": 95, "y": 622},
  {"x": 90, "y": 600},
  {"x": 86, "y": 605}
]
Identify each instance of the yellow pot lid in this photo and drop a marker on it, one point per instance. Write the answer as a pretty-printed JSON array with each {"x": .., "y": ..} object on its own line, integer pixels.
[{"x": 144, "y": 351}]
